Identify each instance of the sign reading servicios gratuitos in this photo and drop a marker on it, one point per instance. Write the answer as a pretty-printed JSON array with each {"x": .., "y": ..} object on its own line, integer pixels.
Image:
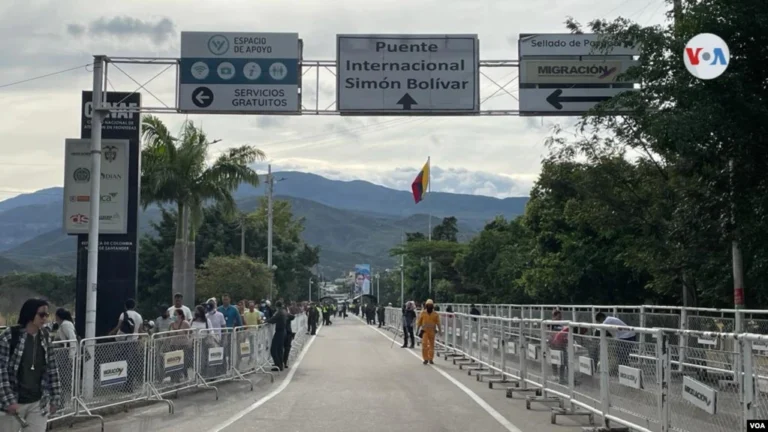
[
  {"x": 239, "y": 72},
  {"x": 407, "y": 74}
]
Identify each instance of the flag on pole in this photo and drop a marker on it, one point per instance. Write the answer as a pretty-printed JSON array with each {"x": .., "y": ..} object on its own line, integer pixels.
[{"x": 420, "y": 184}]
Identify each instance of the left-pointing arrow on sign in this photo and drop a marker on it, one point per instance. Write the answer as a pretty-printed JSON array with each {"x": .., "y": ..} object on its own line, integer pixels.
[
  {"x": 202, "y": 97},
  {"x": 556, "y": 99}
]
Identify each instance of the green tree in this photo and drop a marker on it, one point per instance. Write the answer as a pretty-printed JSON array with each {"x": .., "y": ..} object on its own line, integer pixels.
[
  {"x": 240, "y": 277},
  {"x": 175, "y": 171}
]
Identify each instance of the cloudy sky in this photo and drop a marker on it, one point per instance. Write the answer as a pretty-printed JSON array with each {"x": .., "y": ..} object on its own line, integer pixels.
[{"x": 496, "y": 156}]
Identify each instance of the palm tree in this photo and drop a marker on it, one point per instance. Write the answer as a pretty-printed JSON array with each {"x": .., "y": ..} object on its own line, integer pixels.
[{"x": 175, "y": 171}]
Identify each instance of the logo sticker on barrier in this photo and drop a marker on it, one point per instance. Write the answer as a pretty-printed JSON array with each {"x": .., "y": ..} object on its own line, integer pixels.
[
  {"x": 511, "y": 348},
  {"x": 701, "y": 396},
  {"x": 113, "y": 373},
  {"x": 173, "y": 361},
  {"x": 215, "y": 356},
  {"x": 474, "y": 337},
  {"x": 707, "y": 341},
  {"x": 556, "y": 357},
  {"x": 450, "y": 331},
  {"x": 466, "y": 334},
  {"x": 495, "y": 342},
  {"x": 630, "y": 377},
  {"x": 533, "y": 352},
  {"x": 245, "y": 349},
  {"x": 585, "y": 365}
]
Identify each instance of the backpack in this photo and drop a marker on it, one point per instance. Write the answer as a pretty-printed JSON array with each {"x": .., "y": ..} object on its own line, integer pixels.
[{"x": 127, "y": 326}]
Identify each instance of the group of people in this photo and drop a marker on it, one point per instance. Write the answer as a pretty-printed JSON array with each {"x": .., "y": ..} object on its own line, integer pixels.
[{"x": 373, "y": 313}]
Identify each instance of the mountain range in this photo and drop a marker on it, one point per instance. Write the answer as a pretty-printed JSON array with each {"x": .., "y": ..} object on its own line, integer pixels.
[{"x": 352, "y": 221}]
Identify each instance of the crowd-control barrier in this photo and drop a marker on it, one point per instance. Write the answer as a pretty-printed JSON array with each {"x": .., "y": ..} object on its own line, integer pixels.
[
  {"x": 640, "y": 383},
  {"x": 142, "y": 367}
]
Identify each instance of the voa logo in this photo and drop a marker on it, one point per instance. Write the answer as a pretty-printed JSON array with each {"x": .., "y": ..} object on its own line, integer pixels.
[
  {"x": 706, "y": 56},
  {"x": 124, "y": 115}
]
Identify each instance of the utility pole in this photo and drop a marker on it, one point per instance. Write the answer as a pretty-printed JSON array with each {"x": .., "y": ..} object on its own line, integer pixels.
[
  {"x": 402, "y": 274},
  {"x": 378, "y": 291},
  {"x": 269, "y": 190},
  {"x": 242, "y": 235},
  {"x": 310, "y": 289},
  {"x": 93, "y": 229}
]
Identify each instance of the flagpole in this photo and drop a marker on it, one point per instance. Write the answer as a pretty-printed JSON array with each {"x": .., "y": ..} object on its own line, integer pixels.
[{"x": 429, "y": 189}]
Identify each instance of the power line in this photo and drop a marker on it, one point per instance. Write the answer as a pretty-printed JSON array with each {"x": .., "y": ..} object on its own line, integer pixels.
[{"x": 45, "y": 76}]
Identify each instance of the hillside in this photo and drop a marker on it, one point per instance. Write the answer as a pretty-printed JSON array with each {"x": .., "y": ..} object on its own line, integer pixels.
[
  {"x": 345, "y": 237},
  {"x": 352, "y": 221}
]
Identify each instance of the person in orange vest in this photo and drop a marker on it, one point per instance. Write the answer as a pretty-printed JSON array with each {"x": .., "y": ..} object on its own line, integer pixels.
[{"x": 428, "y": 325}]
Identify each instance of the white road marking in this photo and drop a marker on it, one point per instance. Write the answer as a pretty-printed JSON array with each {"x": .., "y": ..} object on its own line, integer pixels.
[
  {"x": 474, "y": 396},
  {"x": 274, "y": 392}
]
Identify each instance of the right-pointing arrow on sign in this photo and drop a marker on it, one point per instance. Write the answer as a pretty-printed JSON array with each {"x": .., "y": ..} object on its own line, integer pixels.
[{"x": 557, "y": 100}]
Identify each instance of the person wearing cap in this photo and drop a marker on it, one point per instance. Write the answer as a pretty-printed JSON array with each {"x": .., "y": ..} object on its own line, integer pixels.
[
  {"x": 178, "y": 303},
  {"x": 428, "y": 325}
]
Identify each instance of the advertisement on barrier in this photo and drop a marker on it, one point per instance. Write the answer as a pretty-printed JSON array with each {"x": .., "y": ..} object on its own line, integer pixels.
[
  {"x": 631, "y": 377},
  {"x": 215, "y": 356},
  {"x": 245, "y": 349},
  {"x": 173, "y": 361},
  {"x": 700, "y": 395},
  {"x": 585, "y": 365},
  {"x": 362, "y": 279},
  {"x": 113, "y": 373}
]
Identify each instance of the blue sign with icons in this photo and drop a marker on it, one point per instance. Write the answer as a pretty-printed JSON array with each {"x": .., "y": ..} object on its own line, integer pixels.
[{"x": 239, "y": 72}]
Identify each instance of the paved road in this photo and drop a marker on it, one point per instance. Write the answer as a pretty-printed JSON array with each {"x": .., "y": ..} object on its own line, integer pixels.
[{"x": 349, "y": 379}]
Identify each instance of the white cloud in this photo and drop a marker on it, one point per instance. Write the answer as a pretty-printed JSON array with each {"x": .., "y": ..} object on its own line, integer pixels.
[{"x": 498, "y": 156}]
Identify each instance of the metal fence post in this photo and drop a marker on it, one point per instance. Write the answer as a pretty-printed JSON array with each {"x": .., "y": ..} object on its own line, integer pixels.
[
  {"x": 605, "y": 379},
  {"x": 748, "y": 383}
]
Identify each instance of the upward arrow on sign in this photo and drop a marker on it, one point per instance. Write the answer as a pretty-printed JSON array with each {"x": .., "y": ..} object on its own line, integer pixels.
[
  {"x": 557, "y": 100},
  {"x": 406, "y": 101}
]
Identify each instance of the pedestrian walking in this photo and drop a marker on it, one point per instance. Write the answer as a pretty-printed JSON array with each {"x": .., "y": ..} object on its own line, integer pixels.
[
  {"x": 30, "y": 389},
  {"x": 280, "y": 321},
  {"x": 428, "y": 326},
  {"x": 409, "y": 318}
]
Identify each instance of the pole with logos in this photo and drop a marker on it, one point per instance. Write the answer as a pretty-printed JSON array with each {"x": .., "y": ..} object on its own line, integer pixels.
[{"x": 93, "y": 227}]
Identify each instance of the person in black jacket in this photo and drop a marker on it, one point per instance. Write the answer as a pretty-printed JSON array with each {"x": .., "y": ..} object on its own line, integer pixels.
[
  {"x": 289, "y": 334},
  {"x": 280, "y": 320},
  {"x": 409, "y": 318},
  {"x": 313, "y": 316},
  {"x": 381, "y": 312}
]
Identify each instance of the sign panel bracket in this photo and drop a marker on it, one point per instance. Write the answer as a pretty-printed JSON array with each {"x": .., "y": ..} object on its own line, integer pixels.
[{"x": 319, "y": 100}]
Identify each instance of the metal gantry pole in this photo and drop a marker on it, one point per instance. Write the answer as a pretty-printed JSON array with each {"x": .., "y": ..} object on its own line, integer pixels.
[
  {"x": 269, "y": 229},
  {"x": 93, "y": 227}
]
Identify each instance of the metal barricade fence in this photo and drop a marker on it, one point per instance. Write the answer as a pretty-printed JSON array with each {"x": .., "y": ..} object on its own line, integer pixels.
[
  {"x": 636, "y": 383},
  {"x": 172, "y": 361},
  {"x": 140, "y": 367}
]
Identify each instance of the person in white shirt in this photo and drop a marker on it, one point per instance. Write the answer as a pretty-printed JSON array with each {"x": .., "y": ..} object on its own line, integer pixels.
[
  {"x": 215, "y": 317},
  {"x": 178, "y": 303},
  {"x": 131, "y": 351},
  {"x": 163, "y": 322},
  {"x": 627, "y": 339}
]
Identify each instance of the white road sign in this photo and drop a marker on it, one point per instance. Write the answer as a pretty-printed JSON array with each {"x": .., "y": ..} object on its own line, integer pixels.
[
  {"x": 407, "y": 74},
  {"x": 573, "y": 71},
  {"x": 253, "y": 73},
  {"x": 114, "y": 186},
  {"x": 568, "y": 45},
  {"x": 563, "y": 101}
]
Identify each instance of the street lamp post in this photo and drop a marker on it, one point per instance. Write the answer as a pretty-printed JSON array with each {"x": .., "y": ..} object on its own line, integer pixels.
[
  {"x": 272, "y": 271},
  {"x": 310, "y": 289},
  {"x": 378, "y": 292}
]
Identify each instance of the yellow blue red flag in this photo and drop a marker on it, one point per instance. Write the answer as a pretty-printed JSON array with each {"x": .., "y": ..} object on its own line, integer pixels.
[{"x": 420, "y": 184}]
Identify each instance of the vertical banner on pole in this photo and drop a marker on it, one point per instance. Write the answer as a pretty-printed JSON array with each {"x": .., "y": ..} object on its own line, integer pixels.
[
  {"x": 362, "y": 280},
  {"x": 118, "y": 253}
]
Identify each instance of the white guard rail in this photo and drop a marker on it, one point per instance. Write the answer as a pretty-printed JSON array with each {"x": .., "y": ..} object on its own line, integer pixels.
[
  {"x": 143, "y": 367},
  {"x": 638, "y": 383}
]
